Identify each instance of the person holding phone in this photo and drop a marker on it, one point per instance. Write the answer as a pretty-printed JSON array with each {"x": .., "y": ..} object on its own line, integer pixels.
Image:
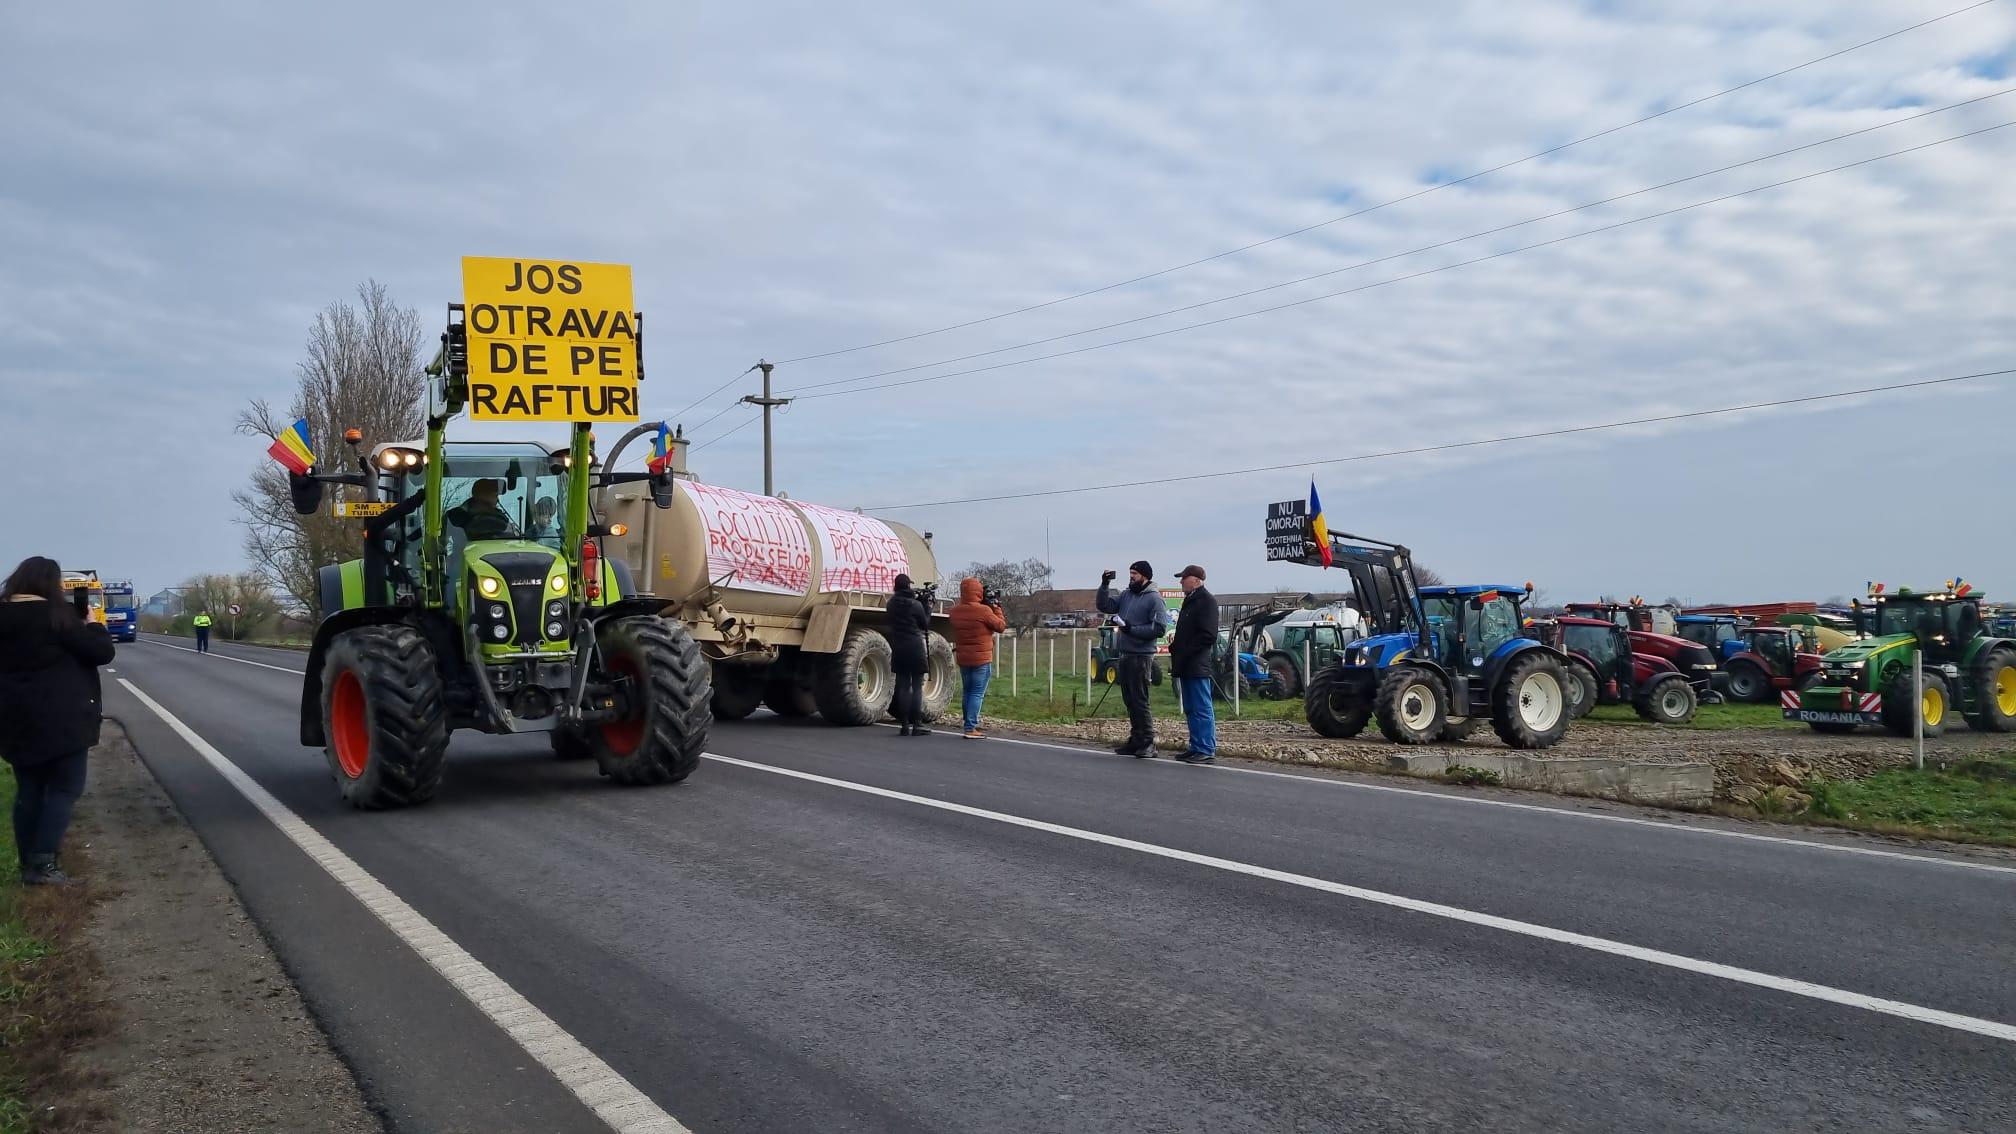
[
  {"x": 1139, "y": 619},
  {"x": 49, "y": 709}
]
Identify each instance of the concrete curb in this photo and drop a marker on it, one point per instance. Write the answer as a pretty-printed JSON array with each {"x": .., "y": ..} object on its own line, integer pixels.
[{"x": 1689, "y": 786}]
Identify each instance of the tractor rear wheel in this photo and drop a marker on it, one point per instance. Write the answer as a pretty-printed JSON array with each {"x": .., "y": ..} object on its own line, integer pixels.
[
  {"x": 1580, "y": 687},
  {"x": 1281, "y": 674},
  {"x": 1669, "y": 700},
  {"x": 738, "y": 689},
  {"x": 660, "y": 740},
  {"x": 386, "y": 716},
  {"x": 855, "y": 685},
  {"x": 1529, "y": 707},
  {"x": 1748, "y": 685},
  {"x": 1995, "y": 692},
  {"x": 1336, "y": 706},
  {"x": 1936, "y": 703},
  {"x": 789, "y": 692},
  {"x": 1412, "y": 706},
  {"x": 941, "y": 676}
]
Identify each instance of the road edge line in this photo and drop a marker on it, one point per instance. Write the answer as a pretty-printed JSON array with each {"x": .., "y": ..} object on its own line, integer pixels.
[
  {"x": 1991, "y": 1029},
  {"x": 599, "y": 1087},
  {"x": 225, "y": 657}
]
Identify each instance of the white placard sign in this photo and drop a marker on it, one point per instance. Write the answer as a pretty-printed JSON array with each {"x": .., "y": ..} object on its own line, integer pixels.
[
  {"x": 856, "y": 552},
  {"x": 755, "y": 543}
]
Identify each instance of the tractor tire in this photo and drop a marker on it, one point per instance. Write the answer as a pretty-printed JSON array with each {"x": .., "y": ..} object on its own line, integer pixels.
[
  {"x": 738, "y": 690},
  {"x": 386, "y": 716},
  {"x": 1456, "y": 732},
  {"x": 1282, "y": 674},
  {"x": 571, "y": 744},
  {"x": 1898, "y": 716},
  {"x": 941, "y": 676},
  {"x": 1529, "y": 707},
  {"x": 1748, "y": 685},
  {"x": 1669, "y": 700},
  {"x": 788, "y": 693},
  {"x": 854, "y": 686},
  {"x": 1581, "y": 689},
  {"x": 1994, "y": 692},
  {"x": 1412, "y": 705},
  {"x": 671, "y": 691},
  {"x": 1334, "y": 705},
  {"x": 1154, "y": 673},
  {"x": 1109, "y": 673}
]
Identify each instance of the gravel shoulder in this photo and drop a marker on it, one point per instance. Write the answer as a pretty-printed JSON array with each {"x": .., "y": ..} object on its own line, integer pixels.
[{"x": 209, "y": 1033}]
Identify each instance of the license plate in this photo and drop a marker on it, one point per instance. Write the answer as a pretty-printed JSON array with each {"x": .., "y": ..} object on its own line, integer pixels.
[{"x": 1825, "y": 716}]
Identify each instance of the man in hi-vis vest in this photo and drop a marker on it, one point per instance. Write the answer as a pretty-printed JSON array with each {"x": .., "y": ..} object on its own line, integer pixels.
[{"x": 202, "y": 623}]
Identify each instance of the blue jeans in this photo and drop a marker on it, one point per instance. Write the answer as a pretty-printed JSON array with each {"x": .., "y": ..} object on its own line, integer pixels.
[
  {"x": 974, "y": 679},
  {"x": 1199, "y": 712},
  {"x": 43, "y": 796}
]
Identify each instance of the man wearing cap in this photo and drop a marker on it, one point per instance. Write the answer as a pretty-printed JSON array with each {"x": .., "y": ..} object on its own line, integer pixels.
[
  {"x": 1190, "y": 650},
  {"x": 1139, "y": 620}
]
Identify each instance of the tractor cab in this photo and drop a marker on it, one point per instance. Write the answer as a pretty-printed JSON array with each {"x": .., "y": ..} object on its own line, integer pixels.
[
  {"x": 1472, "y": 624},
  {"x": 1694, "y": 661},
  {"x": 1606, "y": 667},
  {"x": 1721, "y": 633}
]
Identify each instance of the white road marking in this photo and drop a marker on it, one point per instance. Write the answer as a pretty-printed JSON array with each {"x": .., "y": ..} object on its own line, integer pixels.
[
  {"x": 613, "y": 1098},
  {"x": 1562, "y": 812},
  {"x": 226, "y": 657},
  {"x": 1992, "y": 1029}
]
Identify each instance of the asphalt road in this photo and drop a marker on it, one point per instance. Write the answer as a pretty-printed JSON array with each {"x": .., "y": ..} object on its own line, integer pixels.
[{"x": 848, "y": 930}]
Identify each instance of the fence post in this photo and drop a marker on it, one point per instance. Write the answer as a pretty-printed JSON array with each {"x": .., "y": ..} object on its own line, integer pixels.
[
  {"x": 1918, "y": 707},
  {"x": 1238, "y": 676},
  {"x": 1051, "y": 694},
  {"x": 1014, "y": 667},
  {"x": 1086, "y": 657},
  {"x": 1307, "y": 673},
  {"x": 1075, "y": 651}
]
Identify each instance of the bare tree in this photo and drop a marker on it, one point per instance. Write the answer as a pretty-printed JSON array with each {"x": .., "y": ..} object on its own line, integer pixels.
[
  {"x": 362, "y": 371},
  {"x": 1428, "y": 576},
  {"x": 1013, "y": 579}
]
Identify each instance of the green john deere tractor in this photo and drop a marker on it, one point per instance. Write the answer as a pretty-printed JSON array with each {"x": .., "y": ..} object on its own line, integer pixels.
[
  {"x": 482, "y": 600},
  {"x": 1869, "y": 681}
]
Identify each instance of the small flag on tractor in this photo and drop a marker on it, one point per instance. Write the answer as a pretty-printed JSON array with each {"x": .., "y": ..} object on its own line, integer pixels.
[
  {"x": 661, "y": 450},
  {"x": 291, "y": 448},
  {"x": 1960, "y": 591},
  {"x": 1319, "y": 529}
]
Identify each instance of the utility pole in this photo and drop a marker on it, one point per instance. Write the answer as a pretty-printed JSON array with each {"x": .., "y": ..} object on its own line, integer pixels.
[{"x": 768, "y": 403}]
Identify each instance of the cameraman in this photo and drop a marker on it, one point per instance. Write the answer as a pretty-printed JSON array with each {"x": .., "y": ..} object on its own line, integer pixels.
[
  {"x": 909, "y": 622},
  {"x": 975, "y": 621},
  {"x": 1139, "y": 620}
]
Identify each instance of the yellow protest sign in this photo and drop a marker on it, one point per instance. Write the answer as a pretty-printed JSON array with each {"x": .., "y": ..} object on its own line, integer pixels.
[{"x": 549, "y": 340}]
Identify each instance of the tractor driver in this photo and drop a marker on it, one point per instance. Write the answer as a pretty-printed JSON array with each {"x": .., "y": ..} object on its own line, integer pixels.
[{"x": 480, "y": 517}]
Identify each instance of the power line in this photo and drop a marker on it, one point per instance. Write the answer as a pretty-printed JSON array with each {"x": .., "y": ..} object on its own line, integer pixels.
[
  {"x": 727, "y": 435},
  {"x": 710, "y": 394},
  {"x": 1410, "y": 252},
  {"x": 1436, "y": 188},
  {"x": 1563, "y": 432},
  {"x": 1411, "y": 275}
]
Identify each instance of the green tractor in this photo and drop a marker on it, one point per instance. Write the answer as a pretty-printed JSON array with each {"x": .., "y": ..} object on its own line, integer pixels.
[
  {"x": 1869, "y": 681},
  {"x": 483, "y": 601}
]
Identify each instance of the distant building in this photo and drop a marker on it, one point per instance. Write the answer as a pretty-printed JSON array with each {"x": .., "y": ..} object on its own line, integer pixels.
[{"x": 163, "y": 603}]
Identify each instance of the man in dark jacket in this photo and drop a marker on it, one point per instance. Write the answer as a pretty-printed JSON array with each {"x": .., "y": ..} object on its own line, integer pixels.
[
  {"x": 49, "y": 709},
  {"x": 909, "y": 655},
  {"x": 1190, "y": 650},
  {"x": 1139, "y": 620}
]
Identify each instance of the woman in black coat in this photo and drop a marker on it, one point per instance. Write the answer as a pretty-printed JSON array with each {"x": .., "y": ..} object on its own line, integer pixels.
[
  {"x": 909, "y": 621},
  {"x": 49, "y": 709}
]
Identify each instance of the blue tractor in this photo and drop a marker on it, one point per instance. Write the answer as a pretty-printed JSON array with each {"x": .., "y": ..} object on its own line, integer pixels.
[{"x": 1438, "y": 661}]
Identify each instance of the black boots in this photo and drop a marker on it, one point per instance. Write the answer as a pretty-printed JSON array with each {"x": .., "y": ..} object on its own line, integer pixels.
[
  {"x": 913, "y": 730},
  {"x": 41, "y": 870}
]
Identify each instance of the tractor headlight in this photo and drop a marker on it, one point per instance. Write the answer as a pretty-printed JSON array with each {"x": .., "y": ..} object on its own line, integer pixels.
[
  {"x": 557, "y": 584},
  {"x": 497, "y": 611},
  {"x": 556, "y": 610},
  {"x": 500, "y": 631},
  {"x": 490, "y": 587},
  {"x": 555, "y": 629}
]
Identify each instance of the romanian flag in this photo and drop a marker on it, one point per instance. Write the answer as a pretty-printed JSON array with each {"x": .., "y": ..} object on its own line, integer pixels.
[
  {"x": 1319, "y": 530},
  {"x": 291, "y": 448},
  {"x": 661, "y": 450}
]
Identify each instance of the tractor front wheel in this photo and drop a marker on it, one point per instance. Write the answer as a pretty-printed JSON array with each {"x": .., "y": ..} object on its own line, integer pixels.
[
  {"x": 660, "y": 739},
  {"x": 1281, "y": 675},
  {"x": 1529, "y": 707},
  {"x": 385, "y": 715},
  {"x": 1748, "y": 685},
  {"x": 1581, "y": 689},
  {"x": 1336, "y": 706},
  {"x": 1935, "y": 702},
  {"x": 1669, "y": 700},
  {"x": 1995, "y": 692},
  {"x": 1412, "y": 706}
]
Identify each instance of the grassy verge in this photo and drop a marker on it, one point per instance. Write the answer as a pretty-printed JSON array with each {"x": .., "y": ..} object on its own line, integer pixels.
[
  {"x": 1027, "y": 694},
  {"x": 47, "y": 1007},
  {"x": 1712, "y": 717},
  {"x": 1974, "y": 800}
]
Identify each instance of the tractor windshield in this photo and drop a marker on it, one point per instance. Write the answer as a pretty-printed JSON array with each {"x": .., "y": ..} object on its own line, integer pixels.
[
  {"x": 504, "y": 492},
  {"x": 1774, "y": 646},
  {"x": 1944, "y": 622},
  {"x": 1597, "y": 643},
  {"x": 1708, "y": 634}
]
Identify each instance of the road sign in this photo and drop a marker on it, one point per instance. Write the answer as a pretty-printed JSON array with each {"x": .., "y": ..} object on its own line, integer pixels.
[
  {"x": 235, "y": 610},
  {"x": 362, "y": 509},
  {"x": 549, "y": 340}
]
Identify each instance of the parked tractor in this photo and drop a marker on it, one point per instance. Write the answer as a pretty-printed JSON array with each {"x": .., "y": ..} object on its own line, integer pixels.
[
  {"x": 1437, "y": 661},
  {"x": 1870, "y": 681},
  {"x": 1694, "y": 661},
  {"x": 1106, "y": 660},
  {"x": 1768, "y": 660},
  {"x": 1291, "y": 639},
  {"x": 1721, "y": 633},
  {"x": 483, "y": 601},
  {"x": 1604, "y": 669}
]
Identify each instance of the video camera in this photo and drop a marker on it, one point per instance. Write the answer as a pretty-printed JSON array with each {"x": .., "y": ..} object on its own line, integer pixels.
[
  {"x": 989, "y": 595},
  {"x": 927, "y": 594}
]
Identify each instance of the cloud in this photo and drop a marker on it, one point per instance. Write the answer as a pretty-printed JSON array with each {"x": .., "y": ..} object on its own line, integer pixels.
[{"x": 187, "y": 191}]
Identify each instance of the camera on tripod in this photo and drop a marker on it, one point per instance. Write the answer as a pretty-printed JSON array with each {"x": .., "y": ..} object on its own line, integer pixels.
[{"x": 928, "y": 595}]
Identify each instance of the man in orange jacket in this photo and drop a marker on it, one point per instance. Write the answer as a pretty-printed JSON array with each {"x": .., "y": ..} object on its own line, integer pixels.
[{"x": 975, "y": 621}]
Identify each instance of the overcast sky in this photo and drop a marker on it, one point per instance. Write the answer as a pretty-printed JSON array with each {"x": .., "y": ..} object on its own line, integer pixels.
[{"x": 184, "y": 185}]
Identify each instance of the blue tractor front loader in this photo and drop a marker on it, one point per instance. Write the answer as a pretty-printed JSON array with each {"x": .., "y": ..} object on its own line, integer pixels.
[{"x": 1438, "y": 661}]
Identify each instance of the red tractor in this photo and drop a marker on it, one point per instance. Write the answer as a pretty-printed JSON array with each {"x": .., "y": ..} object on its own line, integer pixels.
[
  {"x": 1691, "y": 660},
  {"x": 1771, "y": 660},
  {"x": 1605, "y": 667}
]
